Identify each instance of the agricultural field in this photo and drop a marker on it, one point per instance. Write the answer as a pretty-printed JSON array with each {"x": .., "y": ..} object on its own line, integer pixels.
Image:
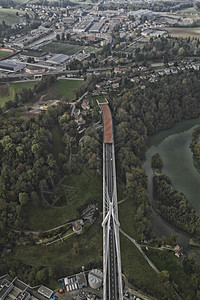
[
  {"x": 63, "y": 48},
  {"x": 9, "y": 15},
  {"x": 63, "y": 88},
  {"x": 14, "y": 88},
  {"x": 184, "y": 32}
]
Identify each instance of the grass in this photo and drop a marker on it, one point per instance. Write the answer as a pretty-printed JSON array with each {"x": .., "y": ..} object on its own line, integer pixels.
[
  {"x": 127, "y": 211},
  {"x": 60, "y": 254},
  {"x": 64, "y": 48},
  {"x": 139, "y": 273},
  {"x": 168, "y": 261},
  {"x": 4, "y": 53},
  {"x": 190, "y": 10},
  {"x": 64, "y": 88},
  {"x": 101, "y": 99},
  {"x": 183, "y": 32},
  {"x": 87, "y": 185},
  {"x": 16, "y": 88},
  {"x": 58, "y": 145},
  {"x": 158, "y": 68},
  {"x": 9, "y": 16}
]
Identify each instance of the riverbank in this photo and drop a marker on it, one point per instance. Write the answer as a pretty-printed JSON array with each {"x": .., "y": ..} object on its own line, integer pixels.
[{"x": 173, "y": 147}]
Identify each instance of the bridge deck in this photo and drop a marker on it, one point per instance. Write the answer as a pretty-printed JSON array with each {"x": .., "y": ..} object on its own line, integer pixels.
[{"x": 108, "y": 135}]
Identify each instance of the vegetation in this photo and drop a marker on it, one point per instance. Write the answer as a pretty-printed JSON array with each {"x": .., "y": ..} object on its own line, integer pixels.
[
  {"x": 38, "y": 264},
  {"x": 184, "y": 32},
  {"x": 174, "y": 206},
  {"x": 8, "y": 91},
  {"x": 10, "y": 16},
  {"x": 183, "y": 273},
  {"x": 138, "y": 113},
  {"x": 4, "y": 53},
  {"x": 65, "y": 88},
  {"x": 195, "y": 145},
  {"x": 156, "y": 162},
  {"x": 140, "y": 274},
  {"x": 64, "y": 48},
  {"x": 74, "y": 192}
]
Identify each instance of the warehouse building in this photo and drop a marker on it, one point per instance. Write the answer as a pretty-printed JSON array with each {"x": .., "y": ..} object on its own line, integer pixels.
[
  {"x": 35, "y": 55},
  {"x": 46, "y": 292},
  {"x": 5, "y": 288},
  {"x": 11, "y": 66},
  {"x": 96, "y": 27},
  {"x": 16, "y": 289},
  {"x": 82, "y": 26},
  {"x": 58, "y": 59}
]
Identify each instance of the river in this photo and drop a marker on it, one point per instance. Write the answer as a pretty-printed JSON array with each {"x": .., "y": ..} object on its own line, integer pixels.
[{"x": 173, "y": 147}]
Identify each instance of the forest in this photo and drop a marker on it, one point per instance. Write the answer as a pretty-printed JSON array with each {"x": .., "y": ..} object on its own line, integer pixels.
[{"x": 174, "y": 207}]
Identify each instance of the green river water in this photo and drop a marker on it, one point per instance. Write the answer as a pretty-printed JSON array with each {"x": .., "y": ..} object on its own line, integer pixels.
[{"x": 173, "y": 147}]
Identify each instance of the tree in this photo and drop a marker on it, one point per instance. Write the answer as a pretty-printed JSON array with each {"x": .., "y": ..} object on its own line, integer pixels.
[
  {"x": 41, "y": 275},
  {"x": 23, "y": 198},
  {"x": 75, "y": 249},
  {"x": 58, "y": 37},
  {"x": 163, "y": 276},
  {"x": 156, "y": 162}
]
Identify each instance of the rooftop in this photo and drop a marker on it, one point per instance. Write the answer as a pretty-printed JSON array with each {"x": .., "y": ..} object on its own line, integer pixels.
[
  {"x": 59, "y": 58},
  {"x": 45, "y": 291},
  {"x": 35, "y": 53},
  {"x": 81, "y": 279}
]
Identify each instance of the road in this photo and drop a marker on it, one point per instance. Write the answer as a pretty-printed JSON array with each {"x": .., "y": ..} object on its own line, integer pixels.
[
  {"x": 112, "y": 265},
  {"x": 111, "y": 246}
]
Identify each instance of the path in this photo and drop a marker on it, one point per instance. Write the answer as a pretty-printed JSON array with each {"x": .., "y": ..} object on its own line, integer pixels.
[
  {"x": 61, "y": 238},
  {"x": 141, "y": 251}
]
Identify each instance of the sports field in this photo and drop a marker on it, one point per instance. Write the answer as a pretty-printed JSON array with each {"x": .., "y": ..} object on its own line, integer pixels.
[
  {"x": 63, "y": 48},
  {"x": 4, "y": 53},
  {"x": 184, "y": 32}
]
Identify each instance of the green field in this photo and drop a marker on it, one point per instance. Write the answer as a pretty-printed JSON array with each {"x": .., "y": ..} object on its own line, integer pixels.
[
  {"x": 165, "y": 260},
  {"x": 75, "y": 191},
  {"x": 101, "y": 99},
  {"x": 60, "y": 253},
  {"x": 9, "y": 16},
  {"x": 4, "y": 53},
  {"x": 16, "y": 88},
  {"x": 63, "y": 88},
  {"x": 190, "y": 10},
  {"x": 183, "y": 32},
  {"x": 58, "y": 145},
  {"x": 64, "y": 48},
  {"x": 139, "y": 273},
  {"x": 127, "y": 211}
]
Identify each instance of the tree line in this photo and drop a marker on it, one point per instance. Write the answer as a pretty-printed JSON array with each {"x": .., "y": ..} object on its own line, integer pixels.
[{"x": 174, "y": 207}]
